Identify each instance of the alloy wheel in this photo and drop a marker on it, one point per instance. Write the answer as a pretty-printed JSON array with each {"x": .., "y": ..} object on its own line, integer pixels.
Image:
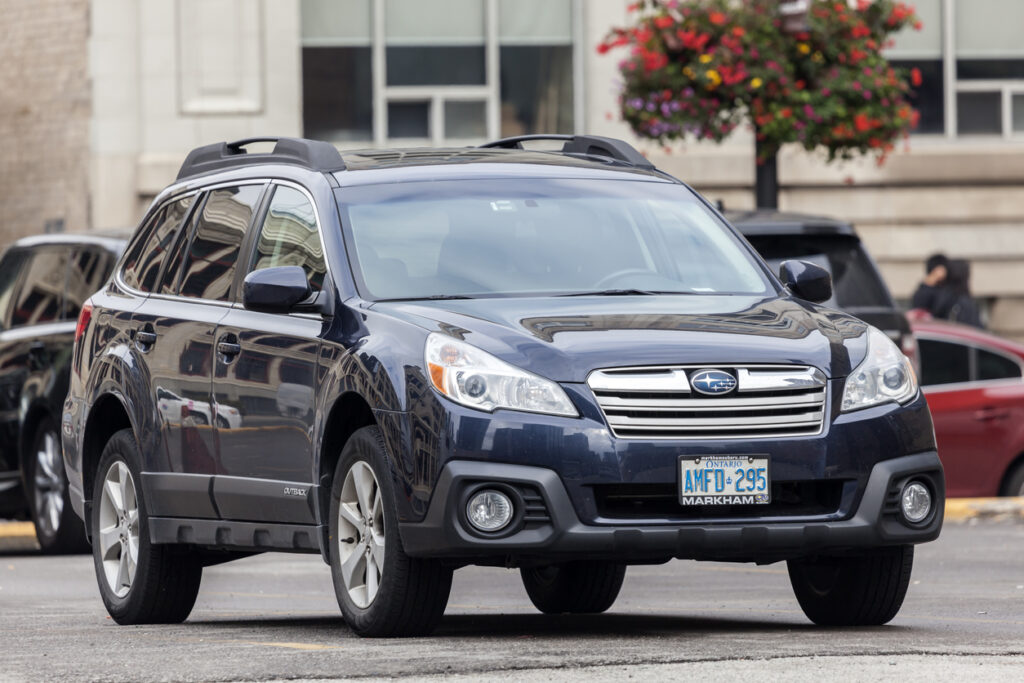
[
  {"x": 48, "y": 484},
  {"x": 361, "y": 534},
  {"x": 118, "y": 534}
]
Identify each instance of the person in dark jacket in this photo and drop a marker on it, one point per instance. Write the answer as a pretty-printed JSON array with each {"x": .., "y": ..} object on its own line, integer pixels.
[
  {"x": 927, "y": 296},
  {"x": 953, "y": 299}
]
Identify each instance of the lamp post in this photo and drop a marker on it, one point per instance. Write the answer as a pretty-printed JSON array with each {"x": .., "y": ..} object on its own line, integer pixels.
[{"x": 766, "y": 176}]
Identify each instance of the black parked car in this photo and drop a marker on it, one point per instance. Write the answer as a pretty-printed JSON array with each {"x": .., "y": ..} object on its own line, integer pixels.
[
  {"x": 409, "y": 361},
  {"x": 43, "y": 282},
  {"x": 858, "y": 287}
]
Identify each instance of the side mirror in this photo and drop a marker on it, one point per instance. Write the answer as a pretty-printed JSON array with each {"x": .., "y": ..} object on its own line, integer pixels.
[
  {"x": 275, "y": 290},
  {"x": 806, "y": 280}
]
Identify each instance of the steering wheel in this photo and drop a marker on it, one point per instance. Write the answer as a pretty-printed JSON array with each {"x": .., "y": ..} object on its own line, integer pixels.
[{"x": 618, "y": 274}]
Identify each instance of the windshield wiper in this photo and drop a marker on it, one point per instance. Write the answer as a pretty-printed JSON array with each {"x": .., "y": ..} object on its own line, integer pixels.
[
  {"x": 620, "y": 292},
  {"x": 432, "y": 297}
]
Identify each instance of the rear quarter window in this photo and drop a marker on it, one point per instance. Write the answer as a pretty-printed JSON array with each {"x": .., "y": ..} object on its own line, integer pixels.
[{"x": 145, "y": 258}]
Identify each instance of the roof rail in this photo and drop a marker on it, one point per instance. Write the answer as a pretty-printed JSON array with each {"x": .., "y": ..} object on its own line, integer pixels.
[
  {"x": 591, "y": 145},
  {"x": 313, "y": 154}
]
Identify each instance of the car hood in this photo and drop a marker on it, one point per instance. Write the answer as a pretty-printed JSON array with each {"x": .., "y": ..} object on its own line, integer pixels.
[{"x": 566, "y": 338}]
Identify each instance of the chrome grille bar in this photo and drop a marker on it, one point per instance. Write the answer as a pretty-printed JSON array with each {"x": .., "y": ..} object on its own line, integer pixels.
[{"x": 657, "y": 402}]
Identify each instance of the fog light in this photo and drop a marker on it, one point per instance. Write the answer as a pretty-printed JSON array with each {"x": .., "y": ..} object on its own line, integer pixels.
[
  {"x": 916, "y": 502},
  {"x": 489, "y": 510}
]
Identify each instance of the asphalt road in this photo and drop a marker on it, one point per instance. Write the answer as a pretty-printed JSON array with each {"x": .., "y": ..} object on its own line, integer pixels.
[{"x": 275, "y": 617}]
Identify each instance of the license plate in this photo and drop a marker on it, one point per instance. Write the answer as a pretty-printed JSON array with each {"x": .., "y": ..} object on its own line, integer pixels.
[{"x": 724, "y": 480}]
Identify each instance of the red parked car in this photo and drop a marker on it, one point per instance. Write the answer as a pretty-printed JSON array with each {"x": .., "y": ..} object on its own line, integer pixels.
[{"x": 975, "y": 389}]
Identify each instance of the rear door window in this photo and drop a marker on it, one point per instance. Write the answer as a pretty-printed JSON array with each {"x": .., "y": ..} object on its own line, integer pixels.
[
  {"x": 289, "y": 237},
  {"x": 142, "y": 266},
  {"x": 996, "y": 366},
  {"x": 42, "y": 291},
  {"x": 944, "y": 362},
  {"x": 11, "y": 267},
  {"x": 209, "y": 267}
]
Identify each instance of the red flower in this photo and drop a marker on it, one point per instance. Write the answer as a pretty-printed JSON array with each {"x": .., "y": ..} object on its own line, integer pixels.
[
  {"x": 603, "y": 48},
  {"x": 860, "y": 31},
  {"x": 663, "y": 21},
  {"x": 861, "y": 122},
  {"x": 717, "y": 18},
  {"x": 739, "y": 31},
  {"x": 915, "y": 77}
]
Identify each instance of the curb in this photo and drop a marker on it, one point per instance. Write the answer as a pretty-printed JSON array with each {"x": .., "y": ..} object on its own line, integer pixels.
[
  {"x": 17, "y": 536},
  {"x": 959, "y": 510}
]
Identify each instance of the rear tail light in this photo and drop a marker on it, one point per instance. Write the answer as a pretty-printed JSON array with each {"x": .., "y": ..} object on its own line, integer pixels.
[{"x": 84, "y": 316}]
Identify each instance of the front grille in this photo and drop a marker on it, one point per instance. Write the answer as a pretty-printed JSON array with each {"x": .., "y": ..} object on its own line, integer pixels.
[
  {"x": 661, "y": 501},
  {"x": 658, "y": 403}
]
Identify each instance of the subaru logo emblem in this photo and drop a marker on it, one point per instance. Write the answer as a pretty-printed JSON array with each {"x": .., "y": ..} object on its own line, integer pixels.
[{"x": 712, "y": 382}]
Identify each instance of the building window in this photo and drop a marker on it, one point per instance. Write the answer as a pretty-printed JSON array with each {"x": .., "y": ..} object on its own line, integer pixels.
[
  {"x": 438, "y": 71},
  {"x": 972, "y": 66}
]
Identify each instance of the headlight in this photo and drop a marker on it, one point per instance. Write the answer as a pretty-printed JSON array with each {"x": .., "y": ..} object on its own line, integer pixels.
[
  {"x": 884, "y": 375},
  {"x": 474, "y": 378}
]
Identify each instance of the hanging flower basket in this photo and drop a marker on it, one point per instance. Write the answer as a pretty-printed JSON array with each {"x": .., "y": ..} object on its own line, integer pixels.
[{"x": 701, "y": 68}]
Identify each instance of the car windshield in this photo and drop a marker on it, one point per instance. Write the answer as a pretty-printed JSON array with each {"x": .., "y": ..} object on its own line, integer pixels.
[
  {"x": 855, "y": 280},
  {"x": 540, "y": 237}
]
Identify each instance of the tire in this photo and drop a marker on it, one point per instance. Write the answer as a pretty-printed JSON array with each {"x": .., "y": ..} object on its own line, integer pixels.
[
  {"x": 575, "y": 587},
  {"x": 387, "y": 593},
  {"x": 58, "y": 528},
  {"x": 863, "y": 590},
  {"x": 1014, "y": 485},
  {"x": 162, "y": 586}
]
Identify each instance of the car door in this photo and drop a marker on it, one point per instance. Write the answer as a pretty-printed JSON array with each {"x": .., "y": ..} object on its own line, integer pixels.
[
  {"x": 977, "y": 402},
  {"x": 173, "y": 331},
  {"x": 265, "y": 378}
]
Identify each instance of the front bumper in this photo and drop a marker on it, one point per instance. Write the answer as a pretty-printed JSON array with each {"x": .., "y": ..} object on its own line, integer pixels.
[{"x": 556, "y": 533}]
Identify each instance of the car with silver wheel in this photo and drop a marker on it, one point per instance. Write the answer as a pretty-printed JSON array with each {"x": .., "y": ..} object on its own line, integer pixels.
[
  {"x": 561, "y": 361},
  {"x": 43, "y": 282}
]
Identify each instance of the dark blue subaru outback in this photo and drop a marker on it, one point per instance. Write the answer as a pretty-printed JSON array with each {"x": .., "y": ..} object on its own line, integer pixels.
[{"x": 411, "y": 361}]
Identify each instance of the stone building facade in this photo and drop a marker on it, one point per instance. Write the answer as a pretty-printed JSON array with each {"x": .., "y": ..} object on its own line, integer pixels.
[
  {"x": 103, "y": 98},
  {"x": 45, "y": 108}
]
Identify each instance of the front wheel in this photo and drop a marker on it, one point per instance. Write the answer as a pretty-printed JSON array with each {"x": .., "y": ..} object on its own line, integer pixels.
[
  {"x": 382, "y": 591},
  {"x": 574, "y": 587},
  {"x": 58, "y": 528},
  {"x": 140, "y": 583},
  {"x": 859, "y": 590}
]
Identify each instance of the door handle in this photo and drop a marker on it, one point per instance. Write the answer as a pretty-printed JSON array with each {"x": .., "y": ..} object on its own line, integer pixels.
[
  {"x": 229, "y": 348},
  {"x": 991, "y": 413},
  {"x": 144, "y": 338}
]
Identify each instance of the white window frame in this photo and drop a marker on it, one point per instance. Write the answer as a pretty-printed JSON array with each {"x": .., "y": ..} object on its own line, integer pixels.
[{"x": 437, "y": 95}]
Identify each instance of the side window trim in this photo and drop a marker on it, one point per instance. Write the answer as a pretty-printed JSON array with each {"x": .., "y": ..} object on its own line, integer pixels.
[
  {"x": 247, "y": 252},
  {"x": 24, "y": 255},
  {"x": 183, "y": 240}
]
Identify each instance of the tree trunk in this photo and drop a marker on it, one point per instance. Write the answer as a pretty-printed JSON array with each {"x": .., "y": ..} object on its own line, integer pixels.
[{"x": 766, "y": 188}]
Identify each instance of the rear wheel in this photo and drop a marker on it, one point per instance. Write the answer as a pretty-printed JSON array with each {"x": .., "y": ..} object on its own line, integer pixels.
[
  {"x": 575, "y": 587},
  {"x": 140, "y": 583},
  {"x": 58, "y": 528},
  {"x": 1014, "y": 485},
  {"x": 381, "y": 590},
  {"x": 862, "y": 590}
]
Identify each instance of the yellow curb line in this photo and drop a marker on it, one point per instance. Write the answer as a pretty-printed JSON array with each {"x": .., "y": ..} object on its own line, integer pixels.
[
  {"x": 17, "y": 530},
  {"x": 964, "y": 509}
]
